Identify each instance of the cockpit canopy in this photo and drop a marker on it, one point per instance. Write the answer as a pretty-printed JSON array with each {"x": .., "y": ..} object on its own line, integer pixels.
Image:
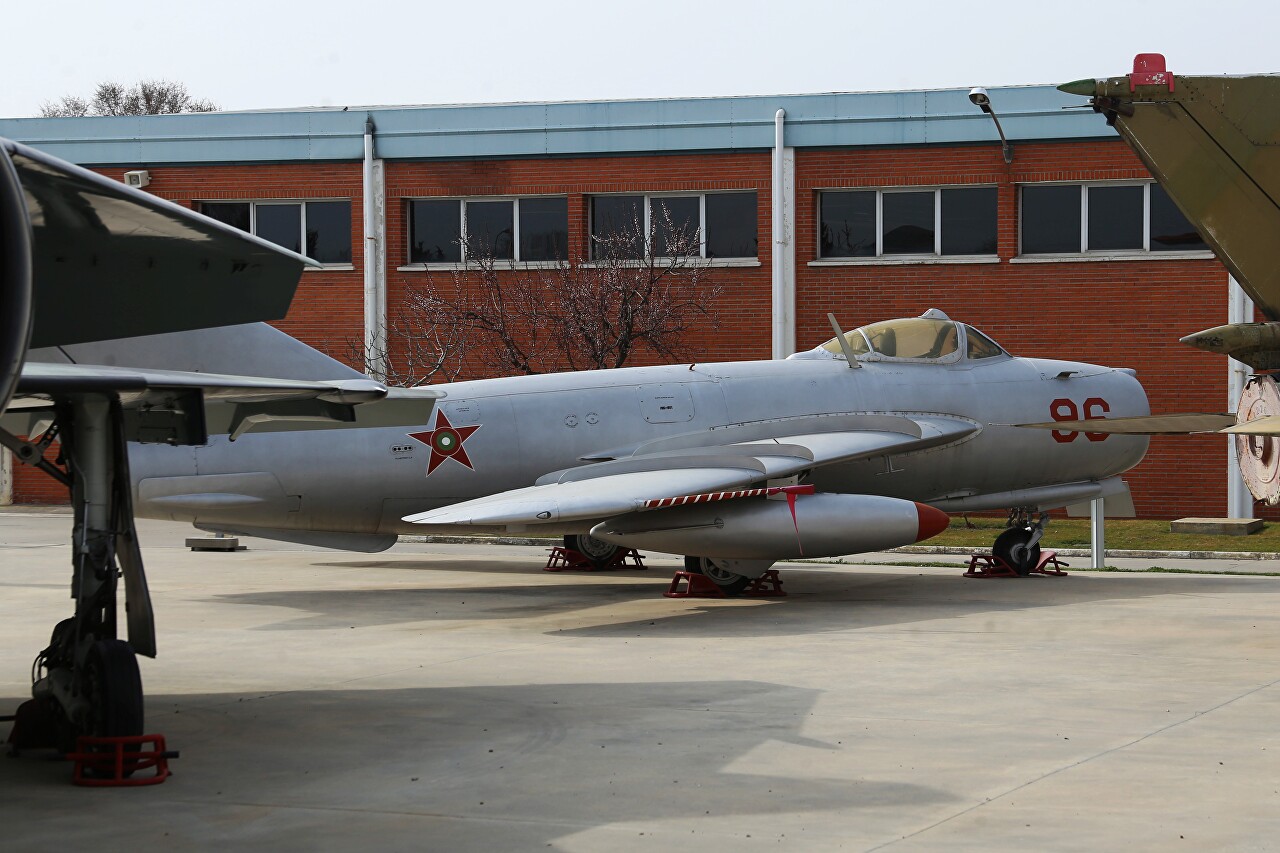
[{"x": 932, "y": 336}]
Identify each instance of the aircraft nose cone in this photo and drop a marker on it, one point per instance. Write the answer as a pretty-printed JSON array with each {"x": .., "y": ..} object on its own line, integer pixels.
[{"x": 930, "y": 521}]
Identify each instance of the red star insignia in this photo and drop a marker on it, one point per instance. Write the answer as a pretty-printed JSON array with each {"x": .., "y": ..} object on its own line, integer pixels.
[{"x": 445, "y": 442}]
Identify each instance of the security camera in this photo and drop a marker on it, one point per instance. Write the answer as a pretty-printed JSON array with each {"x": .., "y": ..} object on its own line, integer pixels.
[{"x": 978, "y": 96}]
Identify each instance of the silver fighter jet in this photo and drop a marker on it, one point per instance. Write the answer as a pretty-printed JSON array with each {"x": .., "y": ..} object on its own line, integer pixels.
[{"x": 863, "y": 443}]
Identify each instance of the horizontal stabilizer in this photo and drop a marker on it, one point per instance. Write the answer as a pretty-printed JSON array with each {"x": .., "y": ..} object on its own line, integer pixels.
[
  {"x": 251, "y": 349},
  {"x": 177, "y": 407}
]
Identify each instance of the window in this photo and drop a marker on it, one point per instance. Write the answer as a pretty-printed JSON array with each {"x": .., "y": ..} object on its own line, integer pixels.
[
  {"x": 724, "y": 224},
  {"x": 318, "y": 229},
  {"x": 1059, "y": 219},
  {"x": 904, "y": 223},
  {"x": 524, "y": 229}
]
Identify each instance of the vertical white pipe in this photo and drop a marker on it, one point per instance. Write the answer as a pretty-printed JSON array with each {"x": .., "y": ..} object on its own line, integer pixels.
[
  {"x": 375, "y": 338},
  {"x": 1239, "y": 310},
  {"x": 6, "y": 477},
  {"x": 784, "y": 295},
  {"x": 1098, "y": 532}
]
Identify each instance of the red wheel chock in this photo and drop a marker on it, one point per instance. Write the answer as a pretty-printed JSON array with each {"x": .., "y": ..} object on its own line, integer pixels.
[
  {"x": 983, "y": 565},
  {"x": 567, "y": 559},
  {"x": 768, "y": 585},
  {"x": 107, "y": 762}
]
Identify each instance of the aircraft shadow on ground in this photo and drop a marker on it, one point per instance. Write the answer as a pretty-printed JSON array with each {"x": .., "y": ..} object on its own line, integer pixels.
[
  {"x": 818, "y": 601},
  {"x": 495, "y": 767}
]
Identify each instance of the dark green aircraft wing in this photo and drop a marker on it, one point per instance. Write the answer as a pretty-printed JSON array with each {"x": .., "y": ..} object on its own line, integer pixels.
[
  {"x": 1213, "y": 143},
  {"x": 109, "y": 261}
]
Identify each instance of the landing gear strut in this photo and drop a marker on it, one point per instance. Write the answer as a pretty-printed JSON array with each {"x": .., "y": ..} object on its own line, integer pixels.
[
  {"x": 87, "y": 682},
  {"x": 1019, "y": 545}
]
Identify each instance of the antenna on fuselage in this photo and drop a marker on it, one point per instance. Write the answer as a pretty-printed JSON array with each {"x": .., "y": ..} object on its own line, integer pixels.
[{"x": 844, "y": 342}]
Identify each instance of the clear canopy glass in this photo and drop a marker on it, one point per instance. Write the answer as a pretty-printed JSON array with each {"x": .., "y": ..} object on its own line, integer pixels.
[{"x": 917, "y": 338}]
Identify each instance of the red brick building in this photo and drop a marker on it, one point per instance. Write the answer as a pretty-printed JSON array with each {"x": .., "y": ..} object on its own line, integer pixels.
[{"x": 890, "y": 203}]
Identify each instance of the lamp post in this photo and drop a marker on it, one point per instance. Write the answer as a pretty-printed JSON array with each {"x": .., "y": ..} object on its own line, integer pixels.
[{"x": 980, "y": 99}]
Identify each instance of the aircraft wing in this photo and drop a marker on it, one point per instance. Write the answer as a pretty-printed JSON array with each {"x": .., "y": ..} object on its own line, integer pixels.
[
  {"x": 110, "y": 261},
  {"x": 1172, "y": 424},
  {"x": 698, "y": 463},
  {"x": 1187, "y": 423}
]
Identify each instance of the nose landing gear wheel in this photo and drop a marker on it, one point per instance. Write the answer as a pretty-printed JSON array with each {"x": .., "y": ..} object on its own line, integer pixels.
[
  {"x": 1011, "y": 547},
  {"x": 730, "y": 584},
  {"x": 600, "y": 553}
]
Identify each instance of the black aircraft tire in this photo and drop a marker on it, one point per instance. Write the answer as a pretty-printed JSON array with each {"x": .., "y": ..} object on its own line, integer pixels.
[
  {"x": 600, "y": 553},
  {"x": 115, "y": 688},
  {"x": 1011, "y": 546},
  {"x": 730, "y": 584}
]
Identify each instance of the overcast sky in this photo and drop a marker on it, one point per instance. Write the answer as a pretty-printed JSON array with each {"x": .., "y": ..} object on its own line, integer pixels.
[{"x": 263, "y": 54}]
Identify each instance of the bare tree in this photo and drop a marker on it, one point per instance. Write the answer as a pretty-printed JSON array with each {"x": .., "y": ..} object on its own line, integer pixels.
[
  {"x": 419, "y": 349},
  {"x": 146, "y": 97},
  {"x": 643, "y": 287}
]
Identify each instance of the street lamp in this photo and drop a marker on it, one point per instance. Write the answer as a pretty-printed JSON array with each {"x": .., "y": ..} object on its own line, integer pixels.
[{"x": 982, "y": 101}]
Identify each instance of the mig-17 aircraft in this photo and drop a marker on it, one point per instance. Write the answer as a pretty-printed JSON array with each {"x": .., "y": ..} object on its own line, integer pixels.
[{"x": 860, "y": 444}]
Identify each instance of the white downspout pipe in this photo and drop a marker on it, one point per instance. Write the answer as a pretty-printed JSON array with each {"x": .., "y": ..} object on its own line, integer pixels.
[
  {"x": 375, "y": 298},
  {"x": 1098, "y": 533},
  {"x": 1239, "y": 310},
  {"x": 784, "y": 294}
]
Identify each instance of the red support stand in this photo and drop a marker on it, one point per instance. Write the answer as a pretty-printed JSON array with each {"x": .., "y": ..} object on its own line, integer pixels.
[
  {"x": 566, "y": 559},
  {"x": 768, "y": 585},
  {"x": 982, "y": 565},
  {"x": 103, "y": 762}
]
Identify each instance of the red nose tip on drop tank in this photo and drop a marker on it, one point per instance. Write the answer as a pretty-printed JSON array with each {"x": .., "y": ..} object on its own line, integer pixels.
[{"x": 930, "y": 521}]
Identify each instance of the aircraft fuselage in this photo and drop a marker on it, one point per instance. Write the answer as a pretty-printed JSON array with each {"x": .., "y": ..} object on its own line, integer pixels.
[{"x": 503, "y": 434}]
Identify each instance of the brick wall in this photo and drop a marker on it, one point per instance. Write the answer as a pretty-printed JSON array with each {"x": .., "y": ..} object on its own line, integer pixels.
[
  {"x": 744, "y": 292},
  {"x": 1123, "y": 313}
]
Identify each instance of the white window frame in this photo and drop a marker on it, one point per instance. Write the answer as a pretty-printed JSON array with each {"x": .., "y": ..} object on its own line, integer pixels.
[
  {"x": 1086, "y": 253},
  {"x": 701, "y": 195},
  {"x": 918, "y": 257},
  {"x": 463, "y": 201},
  {"x": 302, "y": 217}
]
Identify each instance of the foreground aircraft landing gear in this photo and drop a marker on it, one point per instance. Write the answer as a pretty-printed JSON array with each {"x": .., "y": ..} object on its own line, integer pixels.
[
  {"x": 86, "y": 683},
  {"x": 1019, "y": 546}
]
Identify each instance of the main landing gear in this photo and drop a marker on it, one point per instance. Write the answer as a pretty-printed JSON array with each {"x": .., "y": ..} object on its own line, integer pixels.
[
  {"x": 599, "y": 553},
  {"x": 86, "y": 683},
  {"x": 1019, "y": 545},
  {"x": 731, "y": 576}
]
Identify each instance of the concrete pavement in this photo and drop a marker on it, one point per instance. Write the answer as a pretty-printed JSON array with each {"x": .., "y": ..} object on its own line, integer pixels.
[{"x": 455, "y": 697}]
